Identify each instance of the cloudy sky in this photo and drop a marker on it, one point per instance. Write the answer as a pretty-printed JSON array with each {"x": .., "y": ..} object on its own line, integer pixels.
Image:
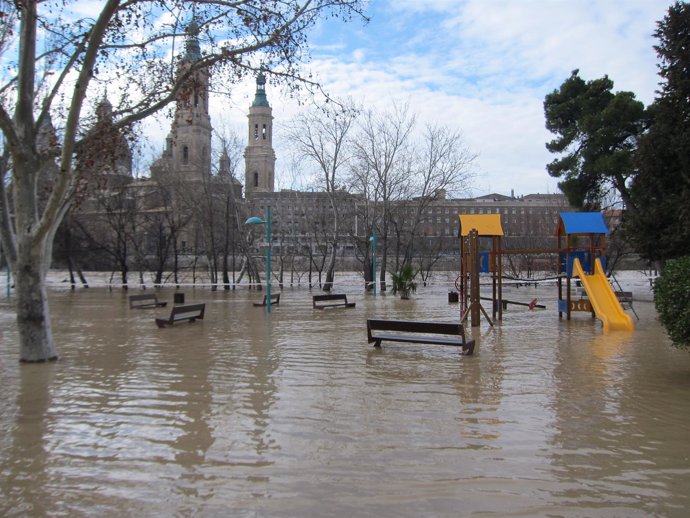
[{"x": 479, "y": 66}]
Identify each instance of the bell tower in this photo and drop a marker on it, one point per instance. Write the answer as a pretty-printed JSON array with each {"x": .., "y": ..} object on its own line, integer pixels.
[
  {"x": 191, "y": 139},
  {"x": 259, "y": 157}
]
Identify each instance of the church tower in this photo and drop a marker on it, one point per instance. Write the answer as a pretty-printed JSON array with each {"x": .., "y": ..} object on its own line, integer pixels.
[
  {"x": 259, "y": 157},
  {"x": 189, "y": 146}
]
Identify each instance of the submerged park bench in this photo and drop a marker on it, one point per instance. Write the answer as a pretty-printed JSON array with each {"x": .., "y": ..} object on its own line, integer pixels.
[
  {"x": 144, "y": 301},
  {"x": 275, "y": 299},
  {"x": 443, "y": 333},
  {"x": 179, "y": 313},
  {"x": 334, "y": 300},
  {"x": 624, "y": 297}
]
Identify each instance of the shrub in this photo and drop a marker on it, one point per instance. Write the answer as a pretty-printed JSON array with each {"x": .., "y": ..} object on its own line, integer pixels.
[
  {"x": 403, "y": 281},
  {"x": 672, "y": 300}
]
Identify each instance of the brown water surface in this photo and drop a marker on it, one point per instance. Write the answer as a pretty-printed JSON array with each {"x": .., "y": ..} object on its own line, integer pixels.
[{"x": 296, "y": 415}]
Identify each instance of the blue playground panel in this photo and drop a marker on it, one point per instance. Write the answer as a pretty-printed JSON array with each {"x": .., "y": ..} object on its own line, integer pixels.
[
  {"x": 582, "y": 255},
  {"x": 484, "y": 262},
  {"x": 585, "y": 260}
]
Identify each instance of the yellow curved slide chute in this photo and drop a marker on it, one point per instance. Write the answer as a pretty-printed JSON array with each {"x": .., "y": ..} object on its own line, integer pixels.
[{"x": 604, "y": 301}]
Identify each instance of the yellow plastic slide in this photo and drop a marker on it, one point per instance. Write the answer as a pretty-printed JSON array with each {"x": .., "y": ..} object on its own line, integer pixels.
[{"x": 603, "y": 299}]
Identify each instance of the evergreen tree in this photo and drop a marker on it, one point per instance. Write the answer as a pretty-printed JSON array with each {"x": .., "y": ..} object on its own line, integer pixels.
[
  {"x": 660, "y": 224},
  {"x": 597, "y": 134}
]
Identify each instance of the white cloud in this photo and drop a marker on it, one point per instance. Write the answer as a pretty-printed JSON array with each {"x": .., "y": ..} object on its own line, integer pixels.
[{"x": 479, "y": 66}]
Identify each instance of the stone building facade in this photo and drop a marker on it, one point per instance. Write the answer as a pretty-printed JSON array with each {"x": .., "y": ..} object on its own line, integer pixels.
[{"x": 184, "y": 202}]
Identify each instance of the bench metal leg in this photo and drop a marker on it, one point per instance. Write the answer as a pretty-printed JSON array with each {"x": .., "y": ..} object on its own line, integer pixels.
[{"x": 468, "y": 348}]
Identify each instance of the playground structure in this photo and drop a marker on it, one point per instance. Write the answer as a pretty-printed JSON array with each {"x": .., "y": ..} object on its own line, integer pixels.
[
  {"x": 472, "y": 262},
  {"x": 581, "y": 246},
  {"x": 581, "y": 238}
]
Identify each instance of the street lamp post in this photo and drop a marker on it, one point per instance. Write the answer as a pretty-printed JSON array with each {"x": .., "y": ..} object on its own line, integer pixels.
[
  {"x": 258, "y": 221},
  {"x": 373, "y": 258}
]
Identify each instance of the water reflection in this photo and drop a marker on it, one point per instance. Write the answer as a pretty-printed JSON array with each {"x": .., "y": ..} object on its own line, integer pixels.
[
  {"x": 28, "y": 454},
  {"x": 296, "y": 415},
  {"x": 609, "y": 436}
]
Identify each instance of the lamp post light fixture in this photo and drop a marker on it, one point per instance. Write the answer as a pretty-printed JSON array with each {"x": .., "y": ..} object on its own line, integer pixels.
[
  {"x": 254, "y": 220},
  {"x": 373, "y": 258}
]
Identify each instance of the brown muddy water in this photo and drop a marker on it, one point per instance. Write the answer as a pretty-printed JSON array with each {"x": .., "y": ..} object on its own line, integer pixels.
[{"x": 296, "y": 415}]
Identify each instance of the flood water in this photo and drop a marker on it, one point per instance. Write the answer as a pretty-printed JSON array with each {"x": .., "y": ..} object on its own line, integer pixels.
[{"x": 296, "y": 415}]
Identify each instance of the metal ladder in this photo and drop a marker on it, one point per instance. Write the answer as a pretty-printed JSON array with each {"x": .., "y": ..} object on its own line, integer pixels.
[{"x": 620, "y": 289}]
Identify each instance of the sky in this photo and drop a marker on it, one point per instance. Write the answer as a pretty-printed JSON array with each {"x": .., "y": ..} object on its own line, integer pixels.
[{"x": 482, "y": 67}]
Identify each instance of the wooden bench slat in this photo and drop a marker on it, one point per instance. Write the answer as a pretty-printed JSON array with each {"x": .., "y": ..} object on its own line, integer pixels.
[
  {"x": 413, "y": 326},
  {"x": 333, "y": 300},
  {"x": 275, "y": 299},
  {"x": 454, "y": 333},
  {"x": 624, "y": 296},
  {"x": 144, "y": 301},
  {"x": 189, "y": 312},
  {"x": 421, "y": 339}
]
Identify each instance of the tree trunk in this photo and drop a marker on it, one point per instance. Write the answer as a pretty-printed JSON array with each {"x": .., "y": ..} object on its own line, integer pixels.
[
  {"x": 33, "y": 317},
  {"x": 123, "y": 277},
  {"x": 84, "y": 282},
  {"x": 226, "y": 273},
  {"x": 70, "y": 269},
  {"x": 176, "y": 264},
  {"x": 330, "y": 270},
  {"x": 384, "y": 266}
]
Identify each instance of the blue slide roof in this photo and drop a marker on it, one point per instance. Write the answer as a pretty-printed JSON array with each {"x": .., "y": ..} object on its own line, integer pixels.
[{"x": 583, "y": 223}]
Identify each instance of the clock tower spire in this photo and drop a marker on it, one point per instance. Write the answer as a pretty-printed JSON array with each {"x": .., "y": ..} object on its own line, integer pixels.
[{"x": 259, "y": 157}]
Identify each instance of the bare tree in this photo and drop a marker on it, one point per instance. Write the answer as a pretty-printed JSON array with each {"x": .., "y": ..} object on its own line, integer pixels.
[
  {"x": 165, "y": 223},
  {"x": 365, "y": 214},
  {"x": 323, "y": 137},
  {"x": 108, "y": 224},
  {"x": 125, "y": 39},
  {"x": 66, "y": 242},
  {"x": 229, "y": 193},
  {"x": 442, "y": 163},
  {"x": 429, "y": 254},
  {"x": 383, "y": 153}
]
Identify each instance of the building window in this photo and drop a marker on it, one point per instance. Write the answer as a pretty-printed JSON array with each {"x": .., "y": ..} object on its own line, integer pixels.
[
  {"x": 185, "y": 155},
  {"x": 256, "y": 179},
  {"x": 256, "y": 132},
  {"x": 263, "y": 132}
]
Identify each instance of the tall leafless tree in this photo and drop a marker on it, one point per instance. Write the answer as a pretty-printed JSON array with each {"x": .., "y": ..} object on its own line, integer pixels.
[
  {"x": 442, "y": 163},
  {"x": 383, "y": 152},
  {"x": 323, "y": 136},
  {"x": 58, "y": 59}
]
